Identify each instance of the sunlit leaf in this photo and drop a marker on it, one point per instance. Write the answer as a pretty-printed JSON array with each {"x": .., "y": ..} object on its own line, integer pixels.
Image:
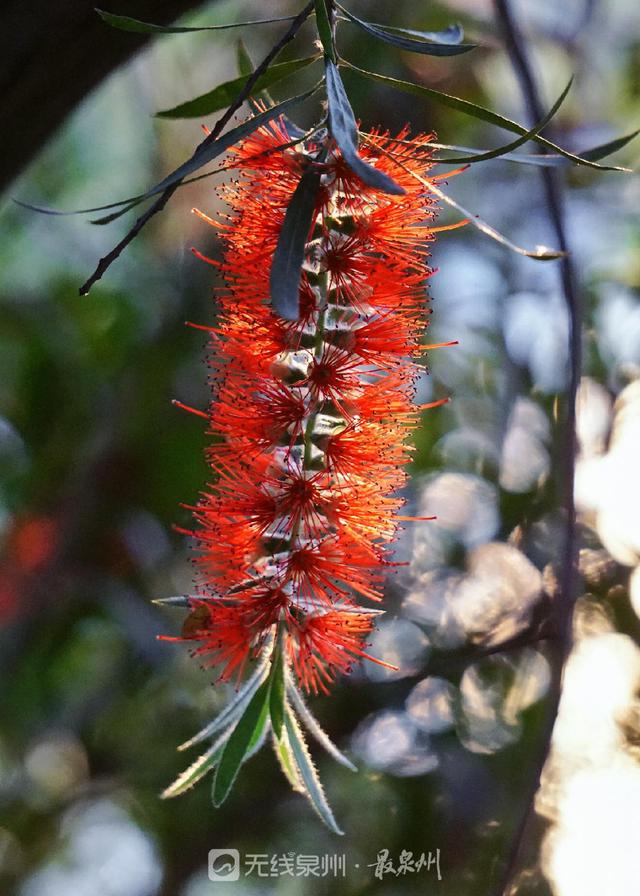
[
  {"x": 308, "y": 774},
  {"x": 243, "y": 737},
  {"x": 287, "y": 761},
  {"x": 547, "y": 160},
  {"x": 277, "y": 695},
  {"x": 344, "y": 131},
  {"x": 224, "y": 94},
  {"x": 197, "y": 770},
  {"x": 514, "y": 144},
  {"x": 314, "y": 728},
  {"x": 476, "y": 111}
]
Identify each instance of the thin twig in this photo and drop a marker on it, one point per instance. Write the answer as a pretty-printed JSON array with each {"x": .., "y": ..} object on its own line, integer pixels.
[
  {"x": 560, "y": 645},
  {"x": 162, "y": 200}
]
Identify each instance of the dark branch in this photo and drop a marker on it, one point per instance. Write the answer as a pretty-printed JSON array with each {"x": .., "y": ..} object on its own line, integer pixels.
[
  {"x": 560, "y": 645},
  {"x": 224, "y": 119}
]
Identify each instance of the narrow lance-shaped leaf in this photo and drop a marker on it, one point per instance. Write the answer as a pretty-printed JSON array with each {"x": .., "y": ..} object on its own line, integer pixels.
[
  {"x": 126, "y": 23},
  {"x": 288, "y": 258},
  {"x": 344, "y": 130},
  {"x": 476, "y": 111},
  {"x": 277, "y": 695},
  {"x": 452, "y": 34},
  {"x": 197, "y": 769},
  {"x": 207, "y": 152},
  {"x": 514, "y": 144},
  {"x": 132, "y": 201},
  {"x": 429, "y": 46},
  {"x": 222, "y": 95},
  {"x": 550, "y": 160},
  {"x": 313, "y": 789},
  {"x": 247, "y": 731},
  {"x": 246, "y": 67},
  {"x": 232, "y": 710},
  {"x": 315, "y": 729},
  {"x": 325, "y": 32},
  {"x": 287, "y": 761}
]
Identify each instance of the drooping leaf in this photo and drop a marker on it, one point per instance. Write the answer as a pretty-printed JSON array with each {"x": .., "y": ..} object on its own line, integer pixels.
[
  {"x": 514, "y": 144},
  {"x": 222, "y": 95},
  {"x": 606, "y": 149},
  {"x": 475, "y": 111},
  {"x": 314, "y": 728},
  {"x": 126, "y": 23},
  {"x": 197, "y": 769},
  {"x": 548, "y": 160},
  {"x": 277, "y": 695},
  {"x": 344, "y": 130},
  {"x": 247, "y": 731},
  {"x": 427, "y": 46},
  {"x": 286, "y": 266},
  {"x": 308, "y": 774},
  {"x": 132, "y": 201}
]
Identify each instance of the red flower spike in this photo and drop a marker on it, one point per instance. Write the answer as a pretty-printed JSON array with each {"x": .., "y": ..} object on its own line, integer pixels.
[{"x": 310, "y": 417}]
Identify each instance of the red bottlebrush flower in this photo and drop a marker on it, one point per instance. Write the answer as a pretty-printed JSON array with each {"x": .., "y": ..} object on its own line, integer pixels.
[
  {"x": 325, "y": 645},
  {"x": 310, "y": 416}
]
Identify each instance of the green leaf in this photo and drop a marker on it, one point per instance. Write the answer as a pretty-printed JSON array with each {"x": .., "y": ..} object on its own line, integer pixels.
[
  {"x": 224, "y": 94},
  {"x": 606, "y": 149},
  {"x": 314, "y": 728},
  {"x": 126, "y": 23},
  {"x": 342, "y": 124},
  {"x": 247, "y": 732},
  {"x": 514, "y": 144},
  {"x": 287, "y": 761},
  {"x": 243, "y": 59},
  {"x": 325, "y": 31},
  {"x": 277, "y": 695},
  {"x": 196, "y": 770},
  {"x": 548, "y": 160},
  {"x": 232, "y": 710},
  {"x": 428, "y": 46},
  {"x": 308, "y": 774},
  {"x": 468, "y": 108},
  {"x": 288, "y": 258}
]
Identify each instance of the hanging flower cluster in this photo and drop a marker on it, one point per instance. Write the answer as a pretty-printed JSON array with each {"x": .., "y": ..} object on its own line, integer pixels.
[{"x": 309, "y": 417}]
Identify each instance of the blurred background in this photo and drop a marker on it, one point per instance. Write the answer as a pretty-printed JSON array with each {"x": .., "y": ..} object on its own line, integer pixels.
[{"x": 95, "y": 462}]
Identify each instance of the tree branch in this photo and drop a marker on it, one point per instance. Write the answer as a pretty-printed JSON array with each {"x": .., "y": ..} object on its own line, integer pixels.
[
  {"x": 164, "y": 197},
  {"x": 560, "y": 645}
]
